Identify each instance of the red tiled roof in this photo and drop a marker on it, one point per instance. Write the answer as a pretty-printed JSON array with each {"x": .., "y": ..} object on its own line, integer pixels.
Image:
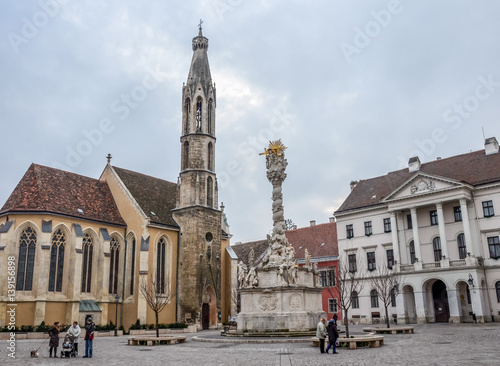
[
  {"x": 44, "y": 189},
  {"x": 242, "y": 250},
  {"x": 156, "y": 197},
  {"x": 475, "y": 168},
  {"x": 320, "y": 240}
]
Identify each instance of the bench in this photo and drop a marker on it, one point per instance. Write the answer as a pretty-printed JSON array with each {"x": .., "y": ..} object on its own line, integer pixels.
[
  {"x": 392, "y": 330},
  {"x": 151, "y": 341},
  {"x": 371, "y": 339}
]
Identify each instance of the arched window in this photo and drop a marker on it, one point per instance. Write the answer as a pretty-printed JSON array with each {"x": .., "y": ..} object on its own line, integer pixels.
[
  {"x": 210, "y": 109},
  {"x": 114, "y": 262},
  {"x": 374, "y": 298},
  {"x": 187, "y": 110},
  {"x": 198, "y": 114},
  {"x": 160, "y": 266},
  {"x": 210, "y": 192},
  {"x": 87, "y": 247},
  {"x": 210, "y": 156},
  {"x": 393, "y": 297},
  {"x": 132, "y": 267},
  {"x": 355, "y": 300},
  {"x": 462, "y": 249},
  {"x": 497, "y": 287},
  {"x": 26, "y": 263},
  {"x": 185, "y": 156},
  {"x": 412, "y": 252},
  {"x": 57, "y": 261},
  {"x": 436, "y": 244}
]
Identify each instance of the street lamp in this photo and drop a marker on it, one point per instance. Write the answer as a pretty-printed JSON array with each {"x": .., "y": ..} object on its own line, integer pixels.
[
  {"x": 470, "y": 281},
  {"x": 117, "y": 298}
]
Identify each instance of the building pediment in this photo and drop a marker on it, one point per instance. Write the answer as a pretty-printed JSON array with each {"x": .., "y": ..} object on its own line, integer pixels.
[{"x": 423, "y": 184}]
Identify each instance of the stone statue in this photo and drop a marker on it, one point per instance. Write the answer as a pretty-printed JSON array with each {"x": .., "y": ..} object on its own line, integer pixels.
[
  {"x": 307, "y": 258},
  {"x": 252, "y": 279},
  {"x": 281, "y": 276},
  {"x": 242, "y": 274},
  {"x": 251, "y": 257},
  {"x": 316, "y": 275},
  {"x": 293, "y": 274}
]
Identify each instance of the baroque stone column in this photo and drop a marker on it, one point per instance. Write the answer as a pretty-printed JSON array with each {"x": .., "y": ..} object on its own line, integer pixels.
[
  {"x": 466, "y": 225},
  {"x": 416, "y": 237},
  {"x": 395, "y": 241},
  {"x": 442, "y": 230}
]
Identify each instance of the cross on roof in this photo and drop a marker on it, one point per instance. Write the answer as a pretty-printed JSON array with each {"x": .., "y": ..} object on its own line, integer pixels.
[{"x": 199, "y": 25}]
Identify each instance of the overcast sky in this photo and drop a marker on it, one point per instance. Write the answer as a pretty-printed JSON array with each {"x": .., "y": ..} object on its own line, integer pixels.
[{"x": 353, "y": 89}]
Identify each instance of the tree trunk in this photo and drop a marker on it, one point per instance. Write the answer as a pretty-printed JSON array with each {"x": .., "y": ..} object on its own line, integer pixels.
[
  {"x": 387, "y": 316},
  {"x": 346, "y": 323},
  {"x": 157, "y": 330}
]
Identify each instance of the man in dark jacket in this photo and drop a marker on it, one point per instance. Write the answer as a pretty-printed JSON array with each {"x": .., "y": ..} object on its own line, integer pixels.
[
  {"x": 89, "y": 338},
  {"x": 54, "y": 339},
  {"x": 333, "y": 335}
]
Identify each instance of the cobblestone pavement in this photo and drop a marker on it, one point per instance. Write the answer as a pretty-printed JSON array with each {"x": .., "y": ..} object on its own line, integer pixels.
[{"x": 432, "y": 344}]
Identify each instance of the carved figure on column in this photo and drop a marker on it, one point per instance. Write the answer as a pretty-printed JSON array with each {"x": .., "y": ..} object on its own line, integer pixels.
[
  {"x": 242, "y": 274},
  {"x": 276, "y": 165},
  {"x": 307, "y": 259},
  {"x": 316, "y": 275},
  {"x": 293, "y": 274},
  {"x": 281, "y": 276},
  {"x": 252, "y": 279}
]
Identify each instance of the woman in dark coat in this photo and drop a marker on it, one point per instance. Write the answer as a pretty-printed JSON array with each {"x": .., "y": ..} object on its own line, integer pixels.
[
  {"x": 54, "y": 339},
  {"x": 333, "y": 335}
]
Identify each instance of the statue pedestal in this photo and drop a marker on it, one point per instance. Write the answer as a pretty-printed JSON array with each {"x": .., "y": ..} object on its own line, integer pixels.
[{"x": 271, "y": 307}]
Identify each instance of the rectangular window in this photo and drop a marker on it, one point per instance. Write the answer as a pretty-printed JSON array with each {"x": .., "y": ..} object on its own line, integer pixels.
[
  {"x": 488, "y": 209},
  {"x": 494, "y": 246},
  {"x": 368, "y": 228},
  {"x": 349, "y": 231},
  {"x": 457, "y": 211},
  {"x": 355, "y": 300},
  {"x": 333, "y": 306},
  {"x": 408, "y": 220},
  {"x": 371, "y": 261},
  {"x": 353, "y": 267},
  {"x": 434, "y": 217},
  {"x": 327, "y": 278},
  {"x": 390, "y": 258},
  {"x": 387, "y": 225}
]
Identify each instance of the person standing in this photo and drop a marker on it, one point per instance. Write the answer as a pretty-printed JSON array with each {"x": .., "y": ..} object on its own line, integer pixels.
[
  {"x": 89, "y": 338},
  {"x": 54, "y": 339},
  {"x": 75, "y": 331},
  {"x": 333, "y": 335},
  {"x": 321, "y": 334}
]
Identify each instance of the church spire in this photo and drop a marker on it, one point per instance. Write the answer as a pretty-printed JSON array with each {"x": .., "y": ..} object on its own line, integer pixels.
[{"x": 200, "y": 69}]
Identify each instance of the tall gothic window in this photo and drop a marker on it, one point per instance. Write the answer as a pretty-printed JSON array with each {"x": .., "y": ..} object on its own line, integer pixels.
[
  {"x": 57, "y": 261},
  {"x": 88, "y": 246},
  {"x": 210, "y": 156},
  {"x": 187, "y": 110},
  {"x": 210, "y": 111},
  {"x": 132, "y": 268},
  {"x": 26, "y": 263},
  {"x": 210, "y": 192},
  {"x": 198, "y": 114},
  {"x": 114, "y": 262},
  {"x": 462, "y": 250},
  {"x": 185, "y": 157},
  {"x": 436, "y": 244},
  {"x": 160, "y": 266}
]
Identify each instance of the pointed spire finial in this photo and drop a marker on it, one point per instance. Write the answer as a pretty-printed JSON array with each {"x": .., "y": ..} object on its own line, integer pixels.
[
  {"x": 109, "y": 158},
  {"x": 199, "y": 27}
]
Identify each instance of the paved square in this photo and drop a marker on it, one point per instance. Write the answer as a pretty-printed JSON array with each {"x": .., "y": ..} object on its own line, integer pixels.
[{"x": 432, "y": 344}]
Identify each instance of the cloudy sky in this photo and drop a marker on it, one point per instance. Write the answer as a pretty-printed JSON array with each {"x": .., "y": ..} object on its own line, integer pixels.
[{"x": 353, "y": 88}]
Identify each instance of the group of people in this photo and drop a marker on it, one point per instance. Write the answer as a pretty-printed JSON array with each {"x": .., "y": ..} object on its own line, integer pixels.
[
  {"x": 75, "y": 331},
  {"x": 333, "y": 334}
]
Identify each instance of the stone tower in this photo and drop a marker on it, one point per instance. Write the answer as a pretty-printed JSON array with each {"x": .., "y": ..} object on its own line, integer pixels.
[{"x": 197, "y": 213}]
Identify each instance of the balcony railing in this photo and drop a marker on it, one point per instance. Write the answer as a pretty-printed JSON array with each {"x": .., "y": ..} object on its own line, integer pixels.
[
  {"x": 457, "y": 263},
  {"x": 407, "y": 267},
  {"x": 431, "y": 265}
]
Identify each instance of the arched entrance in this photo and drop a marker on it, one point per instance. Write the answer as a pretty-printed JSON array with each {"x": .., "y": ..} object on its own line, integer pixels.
[
  {"x": 209, "y": 308},
  {"x": 409, "y": 305},
  {"x": 440, "y": 298},
  {"x": 464, "y": 301}
]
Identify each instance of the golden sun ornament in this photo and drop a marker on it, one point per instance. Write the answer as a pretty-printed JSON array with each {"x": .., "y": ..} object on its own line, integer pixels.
[{"x": 275, "y": 147}]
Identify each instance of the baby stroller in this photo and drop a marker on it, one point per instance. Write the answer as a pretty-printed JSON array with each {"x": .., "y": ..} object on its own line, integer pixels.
[{"x": 68, "y": 346}]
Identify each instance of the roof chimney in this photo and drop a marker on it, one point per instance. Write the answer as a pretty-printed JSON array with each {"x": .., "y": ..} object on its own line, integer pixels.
[
  {"x": 491, "y": 146},
  {"x": 332, "y": 219},
  {"x": 414, "y": 164},
  {"x": 354, "y": 183},
  {"x": 313, "y": 222}
]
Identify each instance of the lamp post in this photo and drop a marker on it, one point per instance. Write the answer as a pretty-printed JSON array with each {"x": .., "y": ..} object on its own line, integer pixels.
[
  {"x": 117, "y": 298},
  {"x": 470, "y": 281}
]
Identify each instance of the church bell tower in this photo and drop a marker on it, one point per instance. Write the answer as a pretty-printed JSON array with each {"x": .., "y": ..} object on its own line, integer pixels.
[{"x": 197, "y": 212}]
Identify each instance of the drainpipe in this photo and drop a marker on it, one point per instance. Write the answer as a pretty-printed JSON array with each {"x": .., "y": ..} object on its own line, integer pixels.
[
  {"x": 177, "y": 277},
  {"x": 123, "y": 282}
]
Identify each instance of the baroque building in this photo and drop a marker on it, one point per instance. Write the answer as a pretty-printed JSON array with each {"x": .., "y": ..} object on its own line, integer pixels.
[
  {"x": 85, "y": 246},
  {"x": 434, "y": 226}
]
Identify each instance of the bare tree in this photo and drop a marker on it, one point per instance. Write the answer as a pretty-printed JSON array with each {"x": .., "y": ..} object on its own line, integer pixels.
[
  {"x": 289, "y": 224},
  {"x": 386, "y": 283},
  {"x": 350, "y": 280},
  {"x": 158, "y": 294}
]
